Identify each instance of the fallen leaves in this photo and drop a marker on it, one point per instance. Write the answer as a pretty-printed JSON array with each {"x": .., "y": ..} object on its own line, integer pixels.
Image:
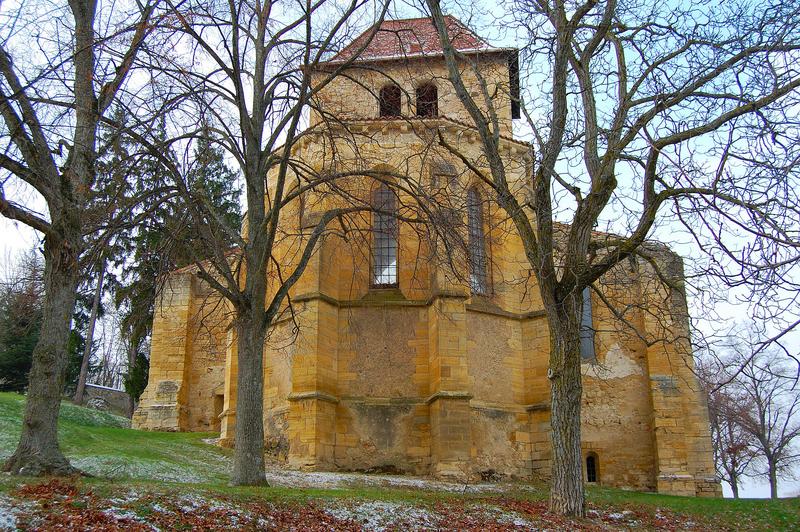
[{"x": 68, "y": 504}]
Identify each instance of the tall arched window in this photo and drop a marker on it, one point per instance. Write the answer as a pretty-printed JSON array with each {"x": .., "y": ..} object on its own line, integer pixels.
[
  {"x": 390, "y": 101},
  {"x": 478, "y": 279},
  {"x": 384, "y": 238},
  {"x": 427, "y": 97},
  {"x": 587, "y": 329}
]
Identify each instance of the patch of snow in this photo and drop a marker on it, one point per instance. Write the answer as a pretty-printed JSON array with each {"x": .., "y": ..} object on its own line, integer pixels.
[
  {"x": 119, "y": 467},
  {"x": 378, "y": 515},
  {"x": 130, "y": 496},
  {"x": 8, "y": 514},
  {"x": 191, "y": 502},
  {"x": 210, "y": 441},
  {"x": 382, "y": 515},
  {"x": 324, "y": 479},
  {"x": 616, "y": 516},
  {"x": 122, "y": 514},
  {"x": 505, "y": 517}
]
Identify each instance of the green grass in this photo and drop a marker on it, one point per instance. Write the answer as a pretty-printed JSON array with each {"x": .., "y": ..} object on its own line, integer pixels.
[
  {"x": 101, "y": 444},
  {"x": 781, "y": 514},
  {"x": 180, "y": 463}
]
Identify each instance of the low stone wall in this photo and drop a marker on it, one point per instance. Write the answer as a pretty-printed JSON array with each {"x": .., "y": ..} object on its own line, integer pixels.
[{"x": 107, "y": 399}]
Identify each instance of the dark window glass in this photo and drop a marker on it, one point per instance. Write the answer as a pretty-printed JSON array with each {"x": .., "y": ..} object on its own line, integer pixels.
[
  {"x": 513, "y": 83},
  {"x": 478, "y": 280},
  {"x": 390, "y": 101},
  {"x": 591, "y": 468},
  {"x": 587, "y": 330},
  {"x": 384, "y": 238},
  {"x": 427, "y": 100}
]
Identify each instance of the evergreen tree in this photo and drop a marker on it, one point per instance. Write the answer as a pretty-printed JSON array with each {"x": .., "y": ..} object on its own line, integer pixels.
[
  {"x": 162, "y": 240},
  {"x": 21, "y": 303},
  {"x": 21, "y": 307}
]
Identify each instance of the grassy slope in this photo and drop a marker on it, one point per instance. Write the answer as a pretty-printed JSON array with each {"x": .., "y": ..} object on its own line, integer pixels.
[{"x": 100, "y": 444}]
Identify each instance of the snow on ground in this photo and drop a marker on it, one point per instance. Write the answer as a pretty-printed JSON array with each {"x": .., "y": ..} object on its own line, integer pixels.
[
  {"x": 323, "y": 479},
  {"x": 503, "y": 516},
  {"x": 378, "y": 516},
  {"x": 10, "y": 510},
  {"x": 118, "y": 467},
  {"x": 8, "y": 514}
]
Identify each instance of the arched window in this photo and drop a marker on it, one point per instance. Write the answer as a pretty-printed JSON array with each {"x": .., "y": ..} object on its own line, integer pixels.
[
  {"x": 587, "y": 329},
  {"x": 591, "y": 468},
  {"x": 427, "y": 97},
  {"x": 478, "y": 279},
  {"x": 384, "y": 238},
  {"x": 390, "y": 101}
]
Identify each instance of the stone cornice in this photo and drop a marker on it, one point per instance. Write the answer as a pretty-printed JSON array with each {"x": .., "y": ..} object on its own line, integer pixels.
[
  {"x": 481, "y": 307},
  {"x": 449, "y": 394},
  {"x": 303, "y": 396},
  {"x": 538, "y": 407}
]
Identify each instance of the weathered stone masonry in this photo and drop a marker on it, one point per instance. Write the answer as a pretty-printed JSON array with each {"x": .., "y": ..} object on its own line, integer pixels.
[{"x": 428, "y": 377}]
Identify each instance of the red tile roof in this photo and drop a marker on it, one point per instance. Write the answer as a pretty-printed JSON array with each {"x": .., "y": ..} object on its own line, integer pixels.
[{"x": 411, "y": 37}]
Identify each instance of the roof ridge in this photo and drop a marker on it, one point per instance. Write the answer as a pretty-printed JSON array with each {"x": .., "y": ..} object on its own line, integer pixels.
[{"x": 390, "y": 38}]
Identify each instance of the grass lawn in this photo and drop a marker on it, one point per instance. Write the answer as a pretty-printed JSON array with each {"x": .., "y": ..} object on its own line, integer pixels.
[{"x": 176, "y": 481}]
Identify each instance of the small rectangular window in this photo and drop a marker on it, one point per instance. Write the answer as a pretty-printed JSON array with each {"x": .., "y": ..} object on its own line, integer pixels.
[{"x": 587, "y": 329}]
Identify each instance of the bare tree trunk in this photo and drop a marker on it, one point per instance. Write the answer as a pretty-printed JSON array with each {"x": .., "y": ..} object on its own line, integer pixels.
[
  {"x": 87, "y": 350},
  {"x": 132, "y": 352},
  {"x": 248, "y": 463},
  {"x": 735, "y": 486},
  {"x": 773, "y": 480},
  {"x": 566, "y": 493},
  {"x": 38, "y": 452}
]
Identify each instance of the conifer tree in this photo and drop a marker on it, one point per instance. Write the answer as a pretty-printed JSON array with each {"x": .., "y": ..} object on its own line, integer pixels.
[{"x": 162, "y": 236}]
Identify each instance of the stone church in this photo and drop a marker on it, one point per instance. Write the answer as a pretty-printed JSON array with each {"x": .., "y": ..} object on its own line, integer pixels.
[{"x": 395, "y": 360}]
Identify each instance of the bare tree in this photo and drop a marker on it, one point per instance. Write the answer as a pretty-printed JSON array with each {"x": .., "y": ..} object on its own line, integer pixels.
[
  {"x": 735, "y": 452},
  {"x": 643, "y": 115},
  {"x": 259, "y": 79},
  {"x": 87, "y": 353},
  {"x": 51, "y": 105},
  {"x": 767, "y": 409}
]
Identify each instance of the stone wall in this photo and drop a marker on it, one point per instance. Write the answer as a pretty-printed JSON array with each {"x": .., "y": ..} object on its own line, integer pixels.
[
  {"x": 104, "y": 398},
  {"x": 185, "y": 391},
  {"x": 428, "y": 378}
]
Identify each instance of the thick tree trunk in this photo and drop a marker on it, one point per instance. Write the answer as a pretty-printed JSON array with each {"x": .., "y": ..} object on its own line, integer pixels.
[
  {"x": 248, "y": 461},
  {"x": 773, "y": 481},
  {"x": 566, "y": 489},
  {"x": 38, "y": 452},
  {"x": 87, "y": 351},
  {"x": 735, "y": 486}
]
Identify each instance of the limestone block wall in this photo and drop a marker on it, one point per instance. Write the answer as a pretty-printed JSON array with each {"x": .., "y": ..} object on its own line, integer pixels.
[
  {"x": 426, "y": 377},
  {"x": 356, "y": 95},
  {"x": 451, "y": 386},
  {"x": 185, "y": 391},
  {"x": 163, "y": 404},
  {"x": 382, "y": 367},
  {"x": 496, "y": 356}
]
